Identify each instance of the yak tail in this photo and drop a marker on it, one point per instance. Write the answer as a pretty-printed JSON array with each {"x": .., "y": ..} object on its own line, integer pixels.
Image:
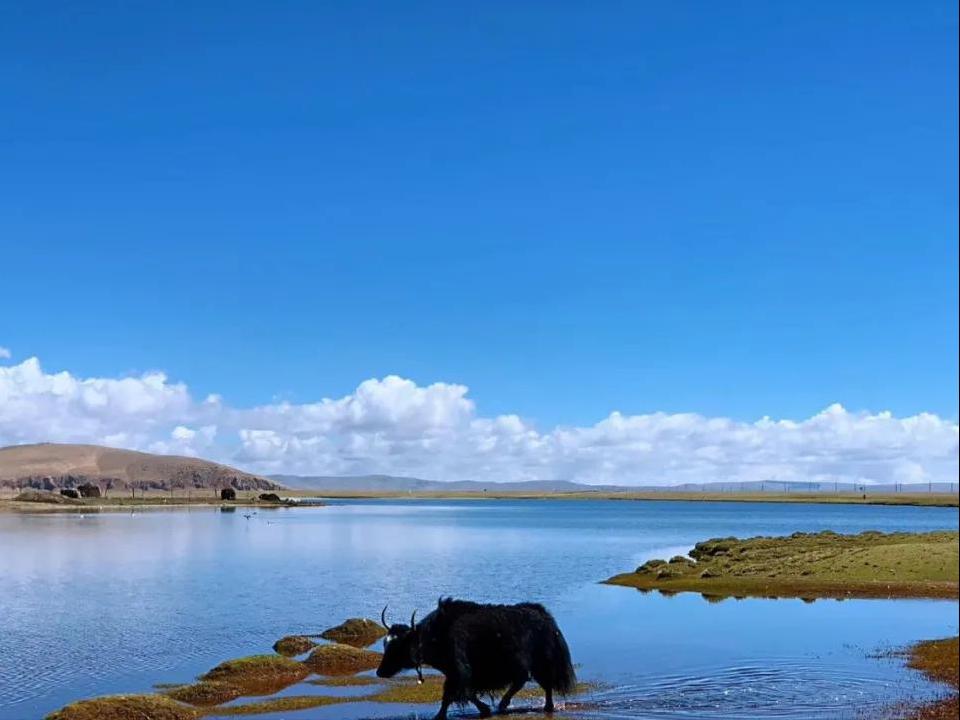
[
  {"x": 563, "y": 679},
  {"x": 557, "y": 669}
]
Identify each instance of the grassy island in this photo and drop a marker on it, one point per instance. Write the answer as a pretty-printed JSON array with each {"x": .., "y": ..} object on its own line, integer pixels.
[{"x": 805, "y": 565}]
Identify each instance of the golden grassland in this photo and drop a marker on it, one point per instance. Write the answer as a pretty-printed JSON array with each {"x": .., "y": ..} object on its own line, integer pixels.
[{"x": 821, "y": 565}]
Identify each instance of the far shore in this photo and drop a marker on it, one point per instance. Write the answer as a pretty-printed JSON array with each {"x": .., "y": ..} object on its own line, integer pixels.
[
  {"x": 119, "y": 499},
  {"x": 914, "y": 498}
]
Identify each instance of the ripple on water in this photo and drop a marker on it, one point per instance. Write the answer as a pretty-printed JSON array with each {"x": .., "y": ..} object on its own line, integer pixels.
[{"x": 790, "y": 690}]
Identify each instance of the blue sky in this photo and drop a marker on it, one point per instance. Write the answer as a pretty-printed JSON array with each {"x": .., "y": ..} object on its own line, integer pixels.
[{"x": 735, "y": 209}]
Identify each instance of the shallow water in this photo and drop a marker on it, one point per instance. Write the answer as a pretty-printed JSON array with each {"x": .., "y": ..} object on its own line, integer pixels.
[{"x": 98, "y": 603}]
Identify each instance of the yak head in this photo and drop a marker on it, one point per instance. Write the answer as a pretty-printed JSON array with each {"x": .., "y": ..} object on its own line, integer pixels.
[{"x": 401, "y": 647}]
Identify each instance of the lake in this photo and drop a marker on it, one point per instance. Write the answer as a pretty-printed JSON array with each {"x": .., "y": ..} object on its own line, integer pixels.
[{"x": 108, "y": 602}]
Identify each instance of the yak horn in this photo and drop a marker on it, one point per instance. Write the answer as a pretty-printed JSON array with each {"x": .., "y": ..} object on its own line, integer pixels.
[
  {"x": 413, "y": 620},
  {"x": 383, "y": 618}
]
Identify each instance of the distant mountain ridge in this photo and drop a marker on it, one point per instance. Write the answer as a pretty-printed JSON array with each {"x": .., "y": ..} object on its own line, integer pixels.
[
  {"x": 51, "y": 466},
  {"x": 391, "y": 483}
]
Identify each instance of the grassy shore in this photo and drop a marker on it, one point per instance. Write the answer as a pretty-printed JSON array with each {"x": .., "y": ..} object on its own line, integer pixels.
[
  {"x": 120, "y": 500},
  {"x": 912, "y": 498},
  {"x": 822, "y": 565},
  {"x": 939, "y": 660}
]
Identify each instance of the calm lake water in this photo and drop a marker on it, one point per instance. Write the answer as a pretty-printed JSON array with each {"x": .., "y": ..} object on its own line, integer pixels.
[{"x": 117, "y": 601}]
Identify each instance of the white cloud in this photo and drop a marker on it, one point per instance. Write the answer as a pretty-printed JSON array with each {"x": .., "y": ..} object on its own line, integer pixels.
[
  {"x": 392, "y": 425},
  {"x": 4, "y": 353}
]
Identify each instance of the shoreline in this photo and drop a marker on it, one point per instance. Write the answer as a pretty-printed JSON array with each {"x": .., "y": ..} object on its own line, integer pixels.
[{"x": 161, "y": 499}]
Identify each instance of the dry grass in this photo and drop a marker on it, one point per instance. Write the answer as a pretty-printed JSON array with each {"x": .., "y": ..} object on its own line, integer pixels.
[
  {"x": 939, "y": 660},
  {"x": 126, "y": 707},
  {"x": 868, "y": 565},
  {"x": 358, "y": 632},
  {"x": 339, "y": 659}
]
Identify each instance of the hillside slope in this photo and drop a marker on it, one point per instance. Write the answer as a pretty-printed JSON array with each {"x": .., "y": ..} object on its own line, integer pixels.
[{"x": 50, "y": 466}]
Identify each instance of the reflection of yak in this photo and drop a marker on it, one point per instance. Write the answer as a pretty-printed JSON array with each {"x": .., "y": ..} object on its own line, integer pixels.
[{"x": 480, "y": 649}]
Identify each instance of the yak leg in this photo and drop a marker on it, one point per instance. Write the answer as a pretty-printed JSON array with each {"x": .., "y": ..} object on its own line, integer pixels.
[
  {"x": 548, "y": 705},
  {"x": 508, "y": 695},
  {"x": 481, "y": 706},
  {"x": 448, "y": 695}
]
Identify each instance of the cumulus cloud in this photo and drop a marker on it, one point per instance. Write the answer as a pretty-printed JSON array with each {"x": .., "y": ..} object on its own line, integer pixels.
[{"x": 392, "y": 425}]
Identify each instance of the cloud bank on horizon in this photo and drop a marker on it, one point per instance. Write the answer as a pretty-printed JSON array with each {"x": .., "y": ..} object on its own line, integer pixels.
[{"x": 394, "y": 426}]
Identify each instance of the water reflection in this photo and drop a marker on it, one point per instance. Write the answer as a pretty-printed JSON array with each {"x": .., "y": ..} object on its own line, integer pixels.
[{"x": 163, "y": 595}]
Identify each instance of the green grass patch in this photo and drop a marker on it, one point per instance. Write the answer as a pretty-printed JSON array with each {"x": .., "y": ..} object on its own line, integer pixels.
[
  {"x": 811, "y": 565},
  {"x": 258, "y": 674},
  {"x": 340, "y": 659},
  {"x": 358, "y": 632}
]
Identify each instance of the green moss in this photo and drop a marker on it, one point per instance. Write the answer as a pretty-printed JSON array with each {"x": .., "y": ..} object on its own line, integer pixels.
[
  {"x": 339, "y": 659},
  {"x": 258, "y": 674},
  {"x": 293, "y": 645},
  {"x": 811, "y": 565},
  {"x": 206, "y": 693},
  {"x": 358, "y": 632},
  {"x": 126, "y": 707}
]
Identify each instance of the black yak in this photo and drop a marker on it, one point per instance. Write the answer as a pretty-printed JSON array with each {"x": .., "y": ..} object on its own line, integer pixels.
[{"x": 482, "y": 649}]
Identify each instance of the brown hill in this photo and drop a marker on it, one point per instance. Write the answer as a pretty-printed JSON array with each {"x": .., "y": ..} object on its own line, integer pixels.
[{"x": 49, "y": 466}]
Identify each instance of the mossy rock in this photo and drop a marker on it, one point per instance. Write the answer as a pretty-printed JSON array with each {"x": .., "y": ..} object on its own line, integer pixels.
[
  {"x": 681, "y": 560},
  {"x": 340, "y": 659},
  {"x": 359, "y": 632},
  {"x": 293, "y": 645},
  {"x": 651, "y": 565},
  {"x": 206, "y": 693},
  {"x": 258, "y": 674},
  {"x": 126, "y": 707}
]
